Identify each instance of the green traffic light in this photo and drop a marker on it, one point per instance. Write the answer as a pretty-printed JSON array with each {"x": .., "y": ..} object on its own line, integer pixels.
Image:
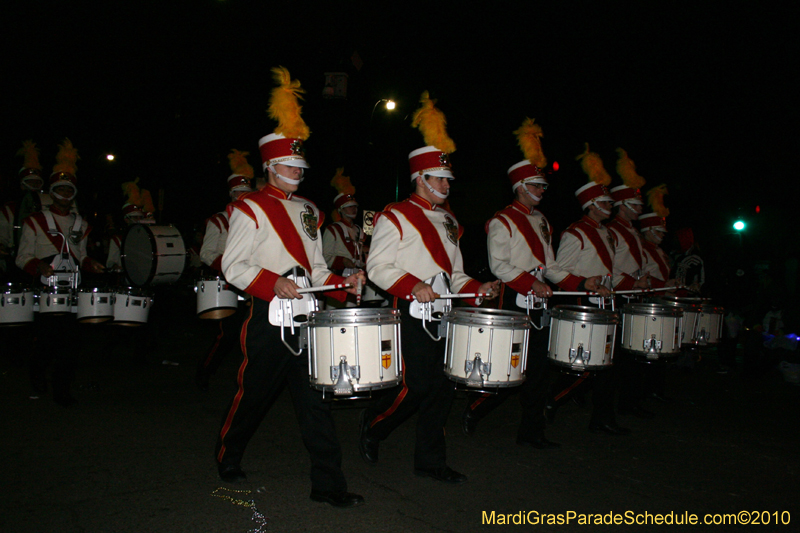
[{"x": 739, "y": 225}]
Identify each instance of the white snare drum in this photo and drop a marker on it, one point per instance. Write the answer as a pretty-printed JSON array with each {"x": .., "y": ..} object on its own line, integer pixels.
[
  {"x": 132, "y": 306},
  {"x": 353, "y": 350},
  {"x": 582, "y": 338},
  {"x": 95, "y": 305},
  {"x": 55, "y": 300},
  {"x": 486, "y": 347},
  {"x": 16, "y": 305},
  {"x": 153, "y": 255},
  {"x": 652, "y": 330},
  {"x": 702, "y": 321},
  {"x": 215, "y": 300}
]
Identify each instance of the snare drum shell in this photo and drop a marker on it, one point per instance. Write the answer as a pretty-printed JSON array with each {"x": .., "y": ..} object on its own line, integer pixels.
[
  {"x": 56, "y": 301},
  {"x": 132, "y": 307},
  {"x": 16, "y": 305},
  {"x": 645, "y": 322},
  {"x": 95, "y": 305},
  {"x": 215, "y": 300},
  {"x": 499, "y": 337},
  {"x": 582, "y": 329},
  {"x": 369, "y": 338}
]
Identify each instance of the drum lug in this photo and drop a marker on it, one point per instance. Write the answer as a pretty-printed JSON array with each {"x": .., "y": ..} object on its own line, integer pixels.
[
  {"x": 579, "y": 353},
  {"x": 477, "y": 370},
  {"x": 344, "y": 375},
  {"x": 652, "y": 345}
]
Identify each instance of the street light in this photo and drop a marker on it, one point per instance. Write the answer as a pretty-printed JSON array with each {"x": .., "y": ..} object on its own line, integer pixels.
[
  {"x": 110, "y": 157},
  {"x": 739, "y": 225}
]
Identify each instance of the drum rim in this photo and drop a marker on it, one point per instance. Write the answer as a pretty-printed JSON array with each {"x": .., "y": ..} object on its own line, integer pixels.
[
  {"x": 660, "y": 310},
  {"x": 487, "y": 317},
  {"x": 15, "y": 288},
  {"x": 103, "y": 289},
  {"x": 354, "y": 316},
  {"x": 585, "y": 314},
  {"x": 129, "y": 291}
]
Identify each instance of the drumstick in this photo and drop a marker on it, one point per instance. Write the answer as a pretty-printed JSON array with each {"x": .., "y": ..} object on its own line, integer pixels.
[
  {"x": 325, "y": 288},
  {"x": 358, "y": 291},
  {"x": 633, "y": 291},
  {"x": 451, "y": 296}
]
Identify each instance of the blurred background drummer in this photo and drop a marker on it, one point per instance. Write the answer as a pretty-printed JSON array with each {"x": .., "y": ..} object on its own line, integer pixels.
[
  {"x": 131, "y": 214},
  {"x": 343, "y": 240},
  {"x": 520, "y": 245},
  {"x": 586, "y": 250},
  {"x": 39, "y": 254},
  {"x": 211, "y": 251}
]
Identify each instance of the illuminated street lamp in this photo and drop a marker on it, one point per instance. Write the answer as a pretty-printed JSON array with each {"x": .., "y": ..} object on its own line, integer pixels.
[
  {"x": 109, "y": 157},
  {"x": 739, "y": 225}
]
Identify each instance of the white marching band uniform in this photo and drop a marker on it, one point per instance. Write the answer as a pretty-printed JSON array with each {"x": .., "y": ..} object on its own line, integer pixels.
[
  {"x": 261, "y": 249},
  {"x": 401, "y": 256},
  {"x": 36, "y": 243},
  {"x": 629, "y": 258},
  {"x": 214, "y": 241},
  {"x": 343, "y": 240},
  {"x": 586, "y": 249}
]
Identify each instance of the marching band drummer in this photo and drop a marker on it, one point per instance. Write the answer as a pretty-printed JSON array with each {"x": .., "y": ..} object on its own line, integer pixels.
[
  {"x": 39, "y": 254},
  {"x": 653, "y": 226},
  {"x": 629, "y": 262},
  {"x": 521, "y": 255},
  {"x": 587, "y": 250},
  {"x": 214, "y": 240},
  {"x": 343, "y": 240},
  {"x": 131, "y": 214},
  {"x": 416, "y": 240},
  {"x": 272, "y": 234}
]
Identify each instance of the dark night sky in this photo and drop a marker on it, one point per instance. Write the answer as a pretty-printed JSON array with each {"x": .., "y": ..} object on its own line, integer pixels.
[{"x": 702, "y": 95}]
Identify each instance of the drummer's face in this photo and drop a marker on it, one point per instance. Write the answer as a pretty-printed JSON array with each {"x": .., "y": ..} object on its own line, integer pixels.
[
  {"x": 284, "y": 170},
  {"x": 654, "y": 236}
]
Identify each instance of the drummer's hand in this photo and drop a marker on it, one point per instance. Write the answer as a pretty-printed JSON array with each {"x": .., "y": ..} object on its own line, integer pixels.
[
  {"x": 44, "y": 269},
  {"x": 643, "y": 282},
  {"x": 542, "y": 290},
  {"x": 286, "y": 289},
  {"x": 352, "y": 279},
  {"x": 423, "y": 292},
  {"x": 595, "y": 284},
  {"x": 491, "y": 289},
  {"x": 95, "y": 267}
]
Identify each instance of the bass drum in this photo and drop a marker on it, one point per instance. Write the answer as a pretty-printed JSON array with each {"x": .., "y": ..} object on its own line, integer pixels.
[{"x": 153, "y": 255}]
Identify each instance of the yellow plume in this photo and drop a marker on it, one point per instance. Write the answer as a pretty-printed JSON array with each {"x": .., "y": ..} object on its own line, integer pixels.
[
  {"x": 433, "y": 125},
  {"x": 147, "y": 202},
  {"x": 66, "y": 158},
  {"x": 341, "y": 183},
  {"x": 655, "y": 197},
  {"x": 30, "y": 154},
  {"x": 626, "y": 169},
  {"x": 593, "y": 167},
  {"x": 529, "y": 137},
  {"x": 284, "y": 106},
  {"x": 239, "y": 164},
  {"x": 131, "y": 191}
]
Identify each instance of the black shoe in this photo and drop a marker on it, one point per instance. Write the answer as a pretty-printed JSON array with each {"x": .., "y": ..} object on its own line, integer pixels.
[
  {"x": 337, "y": 499},
  {"x": 638, "y": 412},
  {"x": 540, "y": 443},
  {"x": 608, "y": 429},
  {"x": 366, "y": 446},
  {"x": 231, "y": 473},
  {"x": 444, "y": 474},
  {"x": 469, "y": 422}
]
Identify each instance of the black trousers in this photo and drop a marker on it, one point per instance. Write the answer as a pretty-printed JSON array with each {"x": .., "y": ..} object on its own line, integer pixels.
[
  {"x": 58, "y": 340},
  {"x": 227, "y": 340},
  {"x": 266, "y": 366},
  {"x": 425, "y": 389},
  {"x": 533, "y": 391}
]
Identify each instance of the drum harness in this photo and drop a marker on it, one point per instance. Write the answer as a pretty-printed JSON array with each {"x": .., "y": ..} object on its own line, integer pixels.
[{"x": 65, "y": 269}]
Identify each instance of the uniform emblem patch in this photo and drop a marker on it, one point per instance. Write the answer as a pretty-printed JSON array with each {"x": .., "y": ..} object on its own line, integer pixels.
[
  {"x": 515, "y": 360},
  {"x": 451, "y": 229},
  {"x": 308, "y": 220},
  {"x": 545, "y": 232},
  {"x": 386, "y": 360}
]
